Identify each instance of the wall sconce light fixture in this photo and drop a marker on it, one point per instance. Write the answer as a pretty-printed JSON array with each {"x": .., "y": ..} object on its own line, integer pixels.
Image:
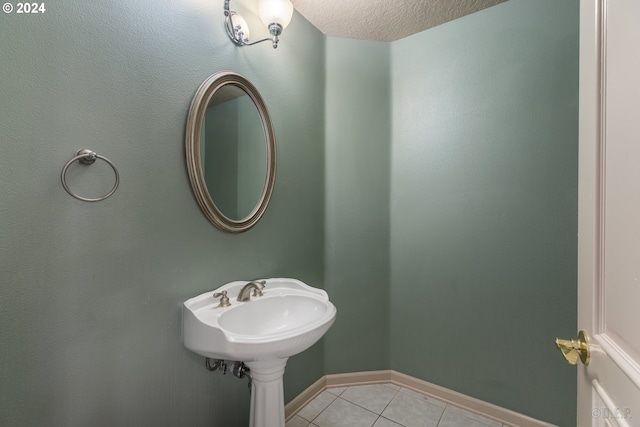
[{"x": 275, "y": 14}]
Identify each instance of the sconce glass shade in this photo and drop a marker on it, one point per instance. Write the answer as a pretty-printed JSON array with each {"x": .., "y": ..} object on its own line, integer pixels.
[{"x": 275, "y": 12}]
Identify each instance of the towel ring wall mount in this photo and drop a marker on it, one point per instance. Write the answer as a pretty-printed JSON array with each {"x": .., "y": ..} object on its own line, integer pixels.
[{"x": 88, "y": 157}]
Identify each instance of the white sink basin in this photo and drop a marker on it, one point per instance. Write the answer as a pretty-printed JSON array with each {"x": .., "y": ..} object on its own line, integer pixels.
[{"x": 289, "y": 318}]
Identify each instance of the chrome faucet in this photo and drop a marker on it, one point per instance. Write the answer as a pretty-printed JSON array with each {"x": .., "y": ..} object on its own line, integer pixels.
[{"x": 256, "y": 285}]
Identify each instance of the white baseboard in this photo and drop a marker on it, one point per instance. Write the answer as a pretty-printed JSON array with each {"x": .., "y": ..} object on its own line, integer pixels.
[{"x": 460, "y": 400}]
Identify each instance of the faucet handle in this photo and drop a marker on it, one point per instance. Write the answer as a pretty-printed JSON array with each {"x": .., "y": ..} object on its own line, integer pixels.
[
  {"x": 260, "y": 284},
  {"x": 224, "y": 299}
]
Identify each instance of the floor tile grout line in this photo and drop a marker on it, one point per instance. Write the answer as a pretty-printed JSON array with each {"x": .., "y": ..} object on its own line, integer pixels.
[
  {"x": 442, "y": 414},
  {"x": 380, "y": 414},
  {"x": 355, "y": 404},
  {"x": 344, "y": 400},
  {"x": 393, "y": 421},
  {"x": 330, "y": 403},
  {"x": 398, "y": 388},
  {"x": 359, "y": 406},
  {"x": 311, "y": 421},
  {"x": 385, "y": 407}
]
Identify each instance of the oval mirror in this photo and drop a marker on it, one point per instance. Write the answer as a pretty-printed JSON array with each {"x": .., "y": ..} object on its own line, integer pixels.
[{"x": 231, "y": 151}]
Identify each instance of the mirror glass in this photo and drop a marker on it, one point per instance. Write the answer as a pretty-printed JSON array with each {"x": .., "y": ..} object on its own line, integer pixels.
[
  {"x": 233, "y": 152},
  {"x": 230, "y": 150}
]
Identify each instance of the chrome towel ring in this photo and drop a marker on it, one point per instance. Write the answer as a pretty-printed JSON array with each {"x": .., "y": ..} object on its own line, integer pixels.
[{"x": 88, "y": 157}]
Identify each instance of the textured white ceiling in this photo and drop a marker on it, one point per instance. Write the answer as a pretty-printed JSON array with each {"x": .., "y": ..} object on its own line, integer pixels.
[{"x": 384, "y": 20}]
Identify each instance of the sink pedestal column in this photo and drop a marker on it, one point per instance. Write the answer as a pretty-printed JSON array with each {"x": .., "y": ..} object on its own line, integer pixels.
[{"x": 267, "y": 393}]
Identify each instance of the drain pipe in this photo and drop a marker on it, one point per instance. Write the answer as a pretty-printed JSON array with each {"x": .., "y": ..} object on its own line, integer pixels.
[{"x": 217, "y": 364}]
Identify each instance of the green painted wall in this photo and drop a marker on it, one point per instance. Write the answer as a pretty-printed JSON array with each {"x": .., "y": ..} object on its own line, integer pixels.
[
  {"x": 357, "y": 203},
  {"x": 91, "y": 293},
  {"x": 484, "y": 205}
]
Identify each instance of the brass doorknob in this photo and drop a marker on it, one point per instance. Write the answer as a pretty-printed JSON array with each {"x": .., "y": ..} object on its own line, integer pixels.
[{"x": 572, "y": 350}]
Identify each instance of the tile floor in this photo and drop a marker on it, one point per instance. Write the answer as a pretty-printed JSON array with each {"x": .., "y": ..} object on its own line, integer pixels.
[{"x": 383, "y": 405}]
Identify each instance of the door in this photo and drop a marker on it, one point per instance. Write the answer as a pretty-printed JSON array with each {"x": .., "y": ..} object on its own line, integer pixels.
[{"x": 609, "y": 212}]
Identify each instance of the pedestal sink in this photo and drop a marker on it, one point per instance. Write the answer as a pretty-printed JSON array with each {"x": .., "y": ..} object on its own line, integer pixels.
[{"x": 262, "y": 332}]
